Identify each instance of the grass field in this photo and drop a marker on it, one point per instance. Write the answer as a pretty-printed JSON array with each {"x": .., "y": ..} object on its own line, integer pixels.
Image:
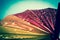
[{"x": 17, "y": 34}]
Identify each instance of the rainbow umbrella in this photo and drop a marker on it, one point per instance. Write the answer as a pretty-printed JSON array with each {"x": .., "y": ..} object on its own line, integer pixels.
[{"x": 31, "y": 24}]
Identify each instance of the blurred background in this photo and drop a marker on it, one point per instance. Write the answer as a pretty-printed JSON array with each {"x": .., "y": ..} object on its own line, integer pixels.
[{"x": 8, "y": 7}]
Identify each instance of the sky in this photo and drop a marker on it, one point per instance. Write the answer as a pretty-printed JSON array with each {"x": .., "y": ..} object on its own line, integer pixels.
[{"x": 8, "y": 7}]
